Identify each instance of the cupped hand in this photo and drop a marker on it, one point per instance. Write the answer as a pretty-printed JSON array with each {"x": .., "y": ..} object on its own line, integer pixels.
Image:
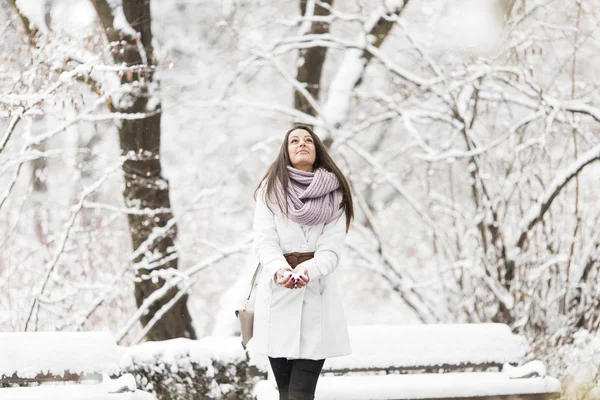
[
  {"x": 283, "y": 277},
  {"x": 302, "y": 277},
  {"x": 292, "y": 279}
]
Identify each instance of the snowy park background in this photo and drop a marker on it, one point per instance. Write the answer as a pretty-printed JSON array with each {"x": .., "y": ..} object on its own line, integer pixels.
[{"x": 469, "y": 130}]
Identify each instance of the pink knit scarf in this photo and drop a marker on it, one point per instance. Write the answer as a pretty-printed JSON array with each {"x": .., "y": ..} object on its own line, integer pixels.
[{"x": 313, "y": 197}]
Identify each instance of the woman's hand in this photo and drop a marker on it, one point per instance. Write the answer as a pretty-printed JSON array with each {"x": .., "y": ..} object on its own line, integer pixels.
[
  {"x": 292, "y": 279},
  {"x": 303, "y": 278},
  {"x": 283, "y": 277}
]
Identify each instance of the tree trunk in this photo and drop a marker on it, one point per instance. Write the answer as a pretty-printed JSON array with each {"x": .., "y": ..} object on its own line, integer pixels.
[
  {"x": 145, "y": 187},
  {"x": 312, "y": 60}
]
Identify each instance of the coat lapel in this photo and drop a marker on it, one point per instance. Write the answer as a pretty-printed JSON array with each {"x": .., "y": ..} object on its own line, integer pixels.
[
  {"x": 298, "y": 228},
  {"x": 306, "y": 235}
]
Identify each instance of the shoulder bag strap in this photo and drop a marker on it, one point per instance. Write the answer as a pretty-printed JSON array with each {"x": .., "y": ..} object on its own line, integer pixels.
[{"x": 253, "y": 280}]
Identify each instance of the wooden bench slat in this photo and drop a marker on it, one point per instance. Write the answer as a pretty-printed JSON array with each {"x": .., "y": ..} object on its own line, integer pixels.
[
  {"x": 420, "y": 369},
  {"x": 48, "y": 377}
]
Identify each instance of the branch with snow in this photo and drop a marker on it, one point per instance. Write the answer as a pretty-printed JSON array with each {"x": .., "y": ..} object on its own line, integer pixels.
[
  {"x": 65, "y": 235},
  {"x": 177, "y": 280},
  {"x": 537, "y": 211}
]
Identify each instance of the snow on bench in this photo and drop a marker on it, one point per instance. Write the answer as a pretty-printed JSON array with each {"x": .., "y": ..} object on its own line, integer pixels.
[
  {"x": 429, "y": 346},
  {"x": 38, "y": 356},
  {"x": 423, "y": 386},
  {"x": 203, "y": 351},
  {"x": 46, "y": 358},
  {"x": 415, "y": 351}
]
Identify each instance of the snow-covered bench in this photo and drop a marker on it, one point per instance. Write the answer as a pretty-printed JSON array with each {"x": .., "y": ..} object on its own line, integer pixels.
[
  {"x": 432, "y": 361},
  {"x": 65, "y": 366}
]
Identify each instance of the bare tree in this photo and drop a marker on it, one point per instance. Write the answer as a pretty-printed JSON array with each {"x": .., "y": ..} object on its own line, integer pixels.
[
  {"x": 152, "y": 233},
  {"x": 145, "y": 187}
]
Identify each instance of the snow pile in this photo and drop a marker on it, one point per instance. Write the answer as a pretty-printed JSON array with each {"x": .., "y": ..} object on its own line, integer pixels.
[
  {"x": 265, "y": 390},
  {"x": 529, "y": 370},
  {"x": 125, "y": 383},
  {"x": 430, "y": 345},
  {"x": 31, "y": 353},
  {"x": 70, "y": 392},
  {"x": 184, "y": 352},
  {"x": 421, "y": 386}
]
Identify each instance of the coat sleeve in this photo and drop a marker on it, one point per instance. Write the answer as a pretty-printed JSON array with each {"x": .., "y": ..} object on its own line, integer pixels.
[
  {"x": 266, "y": 239},
  {"x": 329, "y": 248}
]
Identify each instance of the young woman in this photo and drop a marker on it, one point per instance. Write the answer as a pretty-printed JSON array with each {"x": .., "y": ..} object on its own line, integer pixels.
[{"x": 303, "y": 212}]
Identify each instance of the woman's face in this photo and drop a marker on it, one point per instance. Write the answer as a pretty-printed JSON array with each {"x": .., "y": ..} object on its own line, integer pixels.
[{"x": 301, "y": 149}]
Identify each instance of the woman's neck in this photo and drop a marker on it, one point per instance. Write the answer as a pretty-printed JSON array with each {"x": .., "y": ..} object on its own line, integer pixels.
[{"x": 305, "y": 168}]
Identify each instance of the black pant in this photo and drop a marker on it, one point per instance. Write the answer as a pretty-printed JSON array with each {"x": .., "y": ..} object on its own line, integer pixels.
[{"x": 296, "y": 379}]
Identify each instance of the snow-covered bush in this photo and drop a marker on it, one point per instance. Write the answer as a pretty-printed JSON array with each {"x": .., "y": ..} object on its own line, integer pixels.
[
  {"x": 182, "y": 369},
  {"x": 577, "y": 365}
]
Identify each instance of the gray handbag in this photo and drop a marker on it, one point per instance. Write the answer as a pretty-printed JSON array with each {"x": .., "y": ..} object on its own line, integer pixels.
[{"x": 246, "y": 313}]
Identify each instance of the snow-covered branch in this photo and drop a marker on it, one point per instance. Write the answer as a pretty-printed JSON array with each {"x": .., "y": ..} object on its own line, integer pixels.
[
  {"x": 65, "y": 235},
  {"x": 537, "y": 211},
  {"x": 184, "y": 278}
]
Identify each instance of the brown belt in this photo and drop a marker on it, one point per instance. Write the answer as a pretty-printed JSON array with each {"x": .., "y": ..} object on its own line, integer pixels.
[{"x": 297, "y": 257}]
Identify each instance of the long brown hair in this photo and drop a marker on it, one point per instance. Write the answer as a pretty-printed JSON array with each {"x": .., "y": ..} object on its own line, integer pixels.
[{"x": 278, "y": 172}]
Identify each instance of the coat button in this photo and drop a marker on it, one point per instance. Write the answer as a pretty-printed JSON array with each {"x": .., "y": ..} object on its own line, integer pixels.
[
  {"x": 288, "y": 248},
  {"x": 303, "y": 247}
]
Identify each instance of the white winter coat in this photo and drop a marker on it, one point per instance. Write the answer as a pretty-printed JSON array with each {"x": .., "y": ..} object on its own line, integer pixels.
[{"x": 306, "y": 323}]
